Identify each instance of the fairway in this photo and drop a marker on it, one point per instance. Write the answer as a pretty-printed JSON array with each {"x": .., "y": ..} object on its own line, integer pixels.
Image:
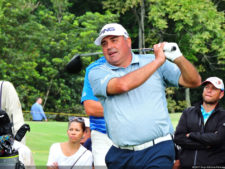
[{"x": 44, "y": 134}]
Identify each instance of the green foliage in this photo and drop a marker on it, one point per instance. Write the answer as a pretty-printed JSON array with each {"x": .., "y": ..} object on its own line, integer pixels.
[
  {"x": 39, "y": 37},
  {"x": 37, "y": 43},
  {"x": 196, "y": 26},
  {"x": 174, "y": 105},
  {"x": 120, "y": 6}
]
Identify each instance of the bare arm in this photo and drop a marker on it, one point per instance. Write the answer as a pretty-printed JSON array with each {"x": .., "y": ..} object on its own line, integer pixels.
[
  {"x": 189, "y": 75},
  {"x": 93, "y": 108},
  {"x": 137, "y": 77}
]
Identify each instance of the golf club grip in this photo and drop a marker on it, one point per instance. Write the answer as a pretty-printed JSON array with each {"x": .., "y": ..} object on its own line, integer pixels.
[{"x": 173, "y": 48}]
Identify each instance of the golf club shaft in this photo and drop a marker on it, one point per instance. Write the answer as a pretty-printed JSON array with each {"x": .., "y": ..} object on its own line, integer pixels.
[{"x": 133, "y": 50}]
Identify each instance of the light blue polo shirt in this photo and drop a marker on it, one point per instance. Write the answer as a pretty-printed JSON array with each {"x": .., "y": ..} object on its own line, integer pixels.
[{"x": 141, "y": 114}]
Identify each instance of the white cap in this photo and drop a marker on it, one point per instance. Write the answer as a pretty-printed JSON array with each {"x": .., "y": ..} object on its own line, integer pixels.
[
  {"x": 86, "y": 122},
  {"x": 111, "y": 29},
  {"x": 217, "y": 82}
]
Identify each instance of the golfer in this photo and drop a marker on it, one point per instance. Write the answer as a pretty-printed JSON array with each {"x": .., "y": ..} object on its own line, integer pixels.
[{"x": 131, "y": 89}]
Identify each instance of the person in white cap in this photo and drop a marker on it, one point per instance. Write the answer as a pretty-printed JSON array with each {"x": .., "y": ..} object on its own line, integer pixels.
[
  {"x": 201, "y": 130},
  {"x": 85, "y": 141},
  {"x": 131, "y": 89}
]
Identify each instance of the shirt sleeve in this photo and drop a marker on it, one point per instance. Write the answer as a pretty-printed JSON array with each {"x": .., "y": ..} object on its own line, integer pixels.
[
  {"x": 42, "y": 112},
  {"x": 99, "y": 78},
  {"x": 52, "y": 155},
  {"x": 87, "y": 93},
  {"x": 214, "y": 138},
  {"x": 171, "y": 74},
  {"x": 180, "y": 134}
]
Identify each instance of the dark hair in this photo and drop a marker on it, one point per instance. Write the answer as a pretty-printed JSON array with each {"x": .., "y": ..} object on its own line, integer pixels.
[
  {"x": 38, "y": 98},
  {"x": 78, "y": 120}
]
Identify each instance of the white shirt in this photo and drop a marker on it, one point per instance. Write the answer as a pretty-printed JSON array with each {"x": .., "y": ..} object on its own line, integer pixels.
[
  {"x": 11, "y": 104},
  {"x": 56, "y": 155}
]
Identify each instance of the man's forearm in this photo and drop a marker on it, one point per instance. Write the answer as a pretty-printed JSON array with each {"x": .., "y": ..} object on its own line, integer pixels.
[
  {"x": 189, "y": 75},
  {"x": 133, "y": 79},
  {"x": 93, "y": 108}
]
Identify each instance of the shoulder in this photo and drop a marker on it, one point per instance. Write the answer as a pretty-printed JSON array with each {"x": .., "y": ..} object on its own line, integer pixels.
[
  {"x": 100, "y": 70},
  {"x": 221, "y": 110},
  {"x": 55, "y": 146},
  {"x": 98, "y": 62},
  {"x": 190, "y": 109},
  {"x": 145, "y": 56},
  {"x": 84, "y": 150},
  {"x": 6, "y": 84}
]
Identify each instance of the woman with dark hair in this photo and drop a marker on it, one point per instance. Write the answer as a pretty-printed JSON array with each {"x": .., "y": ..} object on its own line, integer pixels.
[{"x": 71, "y": 153}]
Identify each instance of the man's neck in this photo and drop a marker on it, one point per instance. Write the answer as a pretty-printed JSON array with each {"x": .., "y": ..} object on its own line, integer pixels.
[{"x": 209, "y": 107}]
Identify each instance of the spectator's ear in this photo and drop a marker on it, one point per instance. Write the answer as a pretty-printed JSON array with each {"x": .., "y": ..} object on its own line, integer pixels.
[{"x": 221, "y": 94}]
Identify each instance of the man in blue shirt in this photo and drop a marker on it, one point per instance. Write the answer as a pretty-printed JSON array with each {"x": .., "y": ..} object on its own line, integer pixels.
[
  {"x": 131, "y": 89},
  {"x": 100, "y": 141},
  {"x": 37, "y": 111}
]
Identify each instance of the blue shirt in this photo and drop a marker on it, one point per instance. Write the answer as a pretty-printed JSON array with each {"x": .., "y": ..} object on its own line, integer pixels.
[
  {"x": 87, "y": 144},
  {"x": 140, "y": 115},
  {"x": 96, "y": 123},
  {"x": 37, "y": 112},
  {"x": 205, "y": 114}
]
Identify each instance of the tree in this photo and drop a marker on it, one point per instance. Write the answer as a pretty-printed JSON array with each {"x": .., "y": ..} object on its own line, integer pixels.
[
  {"x": 138, "y": 10},
  {"x": 37, "y": 43},
  {"x": 196, "y": 26}
]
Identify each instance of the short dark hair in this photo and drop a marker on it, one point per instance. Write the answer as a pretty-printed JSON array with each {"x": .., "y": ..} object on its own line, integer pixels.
[{"x": 38, "y": 98}]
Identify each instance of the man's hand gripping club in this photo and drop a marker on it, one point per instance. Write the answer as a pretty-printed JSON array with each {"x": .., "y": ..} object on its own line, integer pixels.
[{"x": 172, "y": 51}]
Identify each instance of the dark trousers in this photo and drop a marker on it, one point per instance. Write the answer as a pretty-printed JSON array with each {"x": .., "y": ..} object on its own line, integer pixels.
[{"x": 159, "y": 156}]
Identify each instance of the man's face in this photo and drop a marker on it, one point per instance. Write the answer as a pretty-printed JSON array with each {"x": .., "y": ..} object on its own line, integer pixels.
[
  {"x": 40, "y": 101},
  {"x": 211, "y": 94},
  {"x": 117, "y": 50}
]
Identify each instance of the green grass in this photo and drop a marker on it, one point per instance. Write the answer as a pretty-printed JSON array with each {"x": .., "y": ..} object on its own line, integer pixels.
[
  {"x": 44, "y": 134},
  {"x": 175, "y": 118}
]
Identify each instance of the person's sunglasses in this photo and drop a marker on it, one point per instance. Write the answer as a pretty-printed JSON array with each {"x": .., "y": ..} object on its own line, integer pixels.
[{"x": 79, "y": 119}]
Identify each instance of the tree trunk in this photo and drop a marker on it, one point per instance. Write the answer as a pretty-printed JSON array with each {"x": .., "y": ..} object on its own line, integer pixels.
[
  {"x": 140, "y": 17},
  {"x": 143, "y": 23},
  {"x": 187, "y": 97},
  {"x": 47, "y": 93}
]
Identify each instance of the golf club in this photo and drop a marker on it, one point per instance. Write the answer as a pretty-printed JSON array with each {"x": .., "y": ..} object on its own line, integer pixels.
[{"x": 75, "y": 64}]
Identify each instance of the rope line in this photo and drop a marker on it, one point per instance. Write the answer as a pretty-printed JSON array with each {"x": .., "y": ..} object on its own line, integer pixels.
[{"x": 64, "y": 114}]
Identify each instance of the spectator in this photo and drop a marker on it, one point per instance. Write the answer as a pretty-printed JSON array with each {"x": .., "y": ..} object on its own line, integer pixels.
[
  {"x": 10, "y": 103},
  {"x": 87, "y": 144},
  {"x": 201, "y": 130},
  {"x": 86, "y": 140},
  {"x": 71, "y": 153},
  {"x": 131, "y": 89},
  {"x": 37, "y": 111},
  {"x": 87, "y": 133},
  {"x": 93, "y": 108}
]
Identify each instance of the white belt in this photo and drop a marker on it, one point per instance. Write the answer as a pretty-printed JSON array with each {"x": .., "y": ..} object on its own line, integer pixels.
[{"x": 147, "y": 144}]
